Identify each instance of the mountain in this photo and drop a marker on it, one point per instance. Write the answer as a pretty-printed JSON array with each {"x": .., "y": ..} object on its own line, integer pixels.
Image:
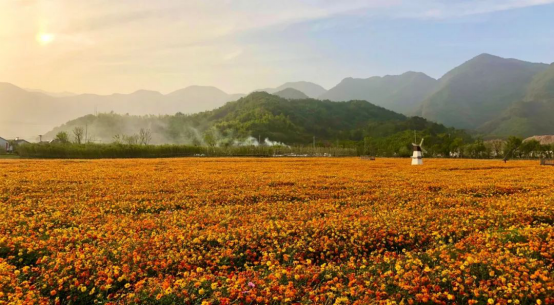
[
  {"x": 52, "y": 94},
  {"x": 480, "y": 90},
  {"x": 196, "y": 99},
  {"x": 27, "y": 114},
  {"x": 310, "y": 89},
  {"x": 400, "y": 93},
  {"x": 533, "y": 115},
  {"x": 265, "y": 116},
  {"x": 291, "y": 94}
]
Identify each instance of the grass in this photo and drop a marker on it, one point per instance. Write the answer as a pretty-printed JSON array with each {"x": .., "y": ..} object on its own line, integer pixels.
[{"x": 8, "y": 156}]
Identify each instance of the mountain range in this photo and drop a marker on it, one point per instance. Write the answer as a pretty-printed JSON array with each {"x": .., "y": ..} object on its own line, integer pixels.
[
  {"x": 400, "y": 93},
  {"x": 310, "y": 89},
  {"x": 489, "y": 95},
  {"x": 480, "y": 91},
  {"x": 27, "y": 114},
  {"x": 261, "y": 115}
]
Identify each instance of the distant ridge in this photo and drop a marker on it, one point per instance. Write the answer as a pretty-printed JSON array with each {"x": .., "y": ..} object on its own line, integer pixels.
[
  {"x": 400, "y": 93},
  {"x": 491, "y": 95},
  {"x": 532, "y": 115},
  {"x": 291, "y": 94},
  {"x": 479, "y": 90},
  {"x": 310, "y": 89},
  {"x": 28, "y": 114},
  {"x": 260, "y": 114}
]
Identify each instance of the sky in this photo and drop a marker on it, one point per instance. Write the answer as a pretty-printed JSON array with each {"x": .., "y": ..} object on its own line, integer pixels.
[{"x": 106, "y": 46}]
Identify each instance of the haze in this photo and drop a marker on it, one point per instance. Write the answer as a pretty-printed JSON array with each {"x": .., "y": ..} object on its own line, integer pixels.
[{"x": 101, "y": 46}]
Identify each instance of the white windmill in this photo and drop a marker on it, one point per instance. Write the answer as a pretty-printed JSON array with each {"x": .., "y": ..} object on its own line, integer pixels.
[{"x": 417, "y": 157}]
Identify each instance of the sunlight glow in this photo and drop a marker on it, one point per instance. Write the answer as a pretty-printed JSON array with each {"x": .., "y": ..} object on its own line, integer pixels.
[{"x": 45, "y": 38}]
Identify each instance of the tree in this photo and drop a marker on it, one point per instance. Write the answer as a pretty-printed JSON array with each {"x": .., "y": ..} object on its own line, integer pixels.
[
  {"x": 131, "y": 140},
  {"x": 78, "y": 133},
  {"x": 62, "y": 137},
  {"x": 496, "y": 147},
  {"x": 512, "y": 145},
  {"x": 117, "y": 139},
  {"x": 456, "y": 145},
  {"x": 530, "y": 148},
  {"x": 144, "y": 136},
  {"x": 209, "y": 138}
]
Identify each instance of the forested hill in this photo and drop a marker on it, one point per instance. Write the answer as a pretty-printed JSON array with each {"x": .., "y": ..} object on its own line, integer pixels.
[{"x": 265, "y": 116}]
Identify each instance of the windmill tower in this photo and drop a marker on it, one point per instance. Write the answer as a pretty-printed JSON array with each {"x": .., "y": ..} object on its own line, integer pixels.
[{"x": 417, "y": 157}]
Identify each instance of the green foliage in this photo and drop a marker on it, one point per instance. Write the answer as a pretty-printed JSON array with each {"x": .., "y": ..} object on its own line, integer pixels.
[
  {"x": 532, "y": 115},
  {"x": 62, "y": 137},
  {"x": 99, "y": 151},
  {"x": 478, "y": 91},
  {"x": 512, "y": 145},
  {"x": 293, "y": 122}
]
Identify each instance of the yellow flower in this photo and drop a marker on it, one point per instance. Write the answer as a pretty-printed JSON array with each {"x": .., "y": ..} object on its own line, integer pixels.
[{"x": 491, "y": 301}]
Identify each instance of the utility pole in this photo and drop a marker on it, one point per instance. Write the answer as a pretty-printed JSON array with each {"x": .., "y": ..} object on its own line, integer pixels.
[{"x": 40, "y": 138}]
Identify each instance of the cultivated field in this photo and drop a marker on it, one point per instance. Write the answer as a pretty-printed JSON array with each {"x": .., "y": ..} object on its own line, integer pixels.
[{"x": 256, "y": 231}]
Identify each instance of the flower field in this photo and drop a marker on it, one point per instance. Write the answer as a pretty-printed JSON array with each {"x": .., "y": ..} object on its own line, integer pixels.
[{"x": 276, "y": 231}]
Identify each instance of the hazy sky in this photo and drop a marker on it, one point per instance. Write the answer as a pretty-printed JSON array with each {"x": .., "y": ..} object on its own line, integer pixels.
[{"x": 106, "y": 46}]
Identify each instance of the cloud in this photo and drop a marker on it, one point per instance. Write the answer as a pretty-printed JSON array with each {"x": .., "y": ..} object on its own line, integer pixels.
[
  {"x": 233, "y": 55},
  {"x": 234, "y": 44},
  {"x": 429, "y": 9}
]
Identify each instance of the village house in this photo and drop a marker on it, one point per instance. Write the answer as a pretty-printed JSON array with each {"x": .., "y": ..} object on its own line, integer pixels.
[
  {"x": 9, "y": 145},
  {"x": 3, "y": 145}
]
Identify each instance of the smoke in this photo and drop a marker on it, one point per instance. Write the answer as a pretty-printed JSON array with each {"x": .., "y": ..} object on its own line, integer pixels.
[
  {"x": 164, "y": 129},
  {"x": 251, "y": 141}
]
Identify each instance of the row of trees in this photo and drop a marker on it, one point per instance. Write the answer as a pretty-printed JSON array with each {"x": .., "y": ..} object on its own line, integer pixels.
[
  {"x": 144, "y": 137},
  {"x": 446, "y": 146}
]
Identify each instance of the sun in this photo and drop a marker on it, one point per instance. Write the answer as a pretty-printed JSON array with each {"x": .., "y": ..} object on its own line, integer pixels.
[{"x": 45, "y": 38}]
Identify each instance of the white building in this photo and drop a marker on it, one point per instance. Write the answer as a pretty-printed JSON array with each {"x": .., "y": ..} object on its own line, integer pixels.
[
  {"x": 8, "y": 145},
  {"x": 4, "y": 145}
]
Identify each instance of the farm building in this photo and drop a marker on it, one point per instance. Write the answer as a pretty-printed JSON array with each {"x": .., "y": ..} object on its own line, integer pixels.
[
  {"x": 3, "y": 145},
  {"x": 9, "y": 145},
  {"x": 546, "y": 139}
]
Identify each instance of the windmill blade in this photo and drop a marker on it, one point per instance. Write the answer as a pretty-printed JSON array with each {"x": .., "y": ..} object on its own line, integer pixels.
[
  {"x": 414, "y": 144},
  {"x": 423, "y": 150},
  {"x": 421, "y": 143}
]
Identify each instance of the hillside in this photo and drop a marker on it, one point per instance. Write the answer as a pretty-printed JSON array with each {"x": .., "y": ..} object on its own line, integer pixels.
[
  {"x": 400, "y": 93},
  {"x": 310, "y": 89},
  {"x": 263, "y": 115},
  {"x": 291, "y": 94},
  {"x": 28, "y": 114},
  {"x": 479, "y": 90},
  {"x": 533, "y": 115}
]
